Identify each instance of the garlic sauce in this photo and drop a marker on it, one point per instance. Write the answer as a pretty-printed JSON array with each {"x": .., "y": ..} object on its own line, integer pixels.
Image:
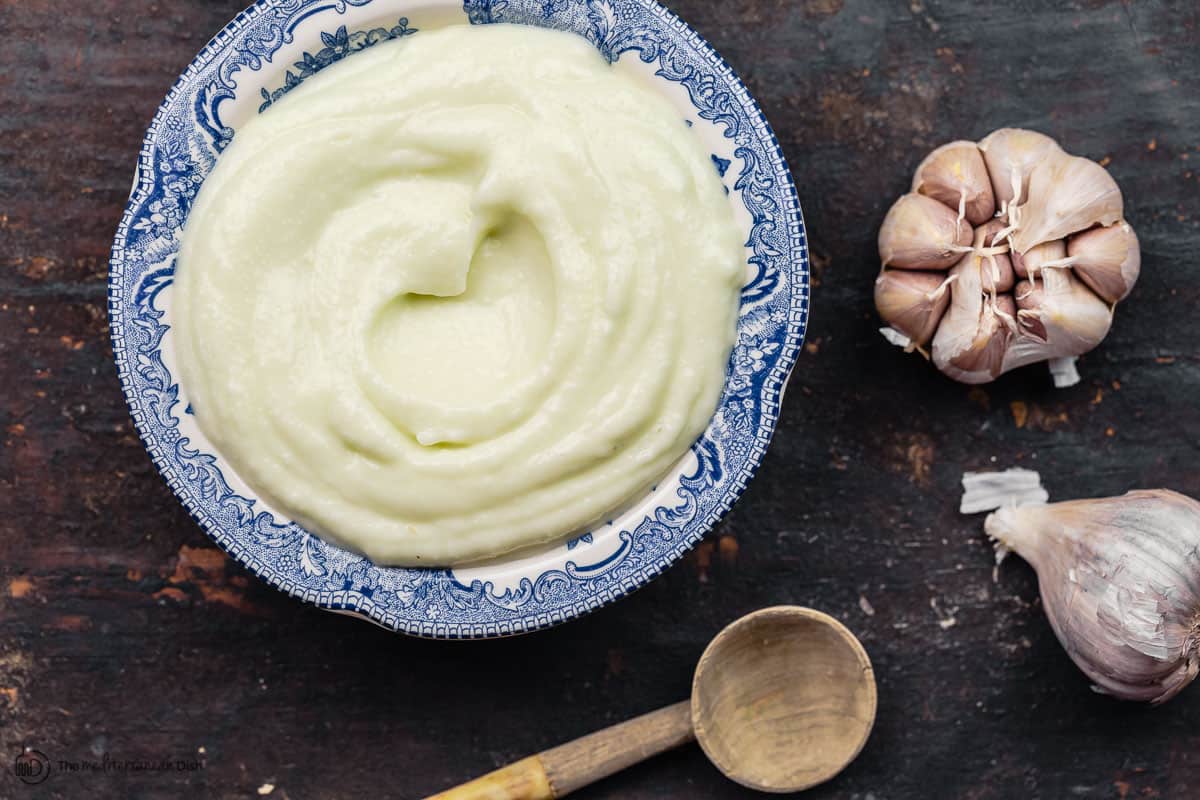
[{"x": 458, "y": 294}]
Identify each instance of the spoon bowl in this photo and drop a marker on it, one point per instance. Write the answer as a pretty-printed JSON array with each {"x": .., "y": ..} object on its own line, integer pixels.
[{"x": 783, "y": 699}]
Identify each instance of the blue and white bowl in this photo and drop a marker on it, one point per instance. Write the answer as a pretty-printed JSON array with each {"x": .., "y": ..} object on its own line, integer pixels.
[{"x": 273, "y": 46}]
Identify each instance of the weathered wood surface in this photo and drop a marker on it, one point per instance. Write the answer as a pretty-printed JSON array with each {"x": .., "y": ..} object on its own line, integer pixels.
[{"x": 124, "y": 631}]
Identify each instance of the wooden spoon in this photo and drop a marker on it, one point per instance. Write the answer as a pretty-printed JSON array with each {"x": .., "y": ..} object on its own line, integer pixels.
[{"x": 783, "y": 699}]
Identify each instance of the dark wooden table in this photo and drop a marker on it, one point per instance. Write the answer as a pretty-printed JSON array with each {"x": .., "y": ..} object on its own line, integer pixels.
[{"x": 124, "y": 632}]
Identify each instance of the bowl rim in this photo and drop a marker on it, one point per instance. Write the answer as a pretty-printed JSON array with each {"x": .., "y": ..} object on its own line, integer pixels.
[{"x": 772, "y": 392}]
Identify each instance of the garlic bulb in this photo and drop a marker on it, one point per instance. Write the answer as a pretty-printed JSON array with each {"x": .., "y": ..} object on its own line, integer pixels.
[
  {"x": 1120, "y": 583},
  {"x": 1034, "y": 246}
]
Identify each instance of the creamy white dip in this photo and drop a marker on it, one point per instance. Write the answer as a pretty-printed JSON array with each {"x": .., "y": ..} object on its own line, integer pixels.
[{"x": 458, "y": 294}]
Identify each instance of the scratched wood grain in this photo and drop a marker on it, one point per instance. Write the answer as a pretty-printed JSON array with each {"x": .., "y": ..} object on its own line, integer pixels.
[{"x": 124, "y": 632}]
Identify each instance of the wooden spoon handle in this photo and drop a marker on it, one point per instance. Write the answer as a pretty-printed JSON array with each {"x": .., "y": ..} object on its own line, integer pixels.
[
  {"x": 576, "y": 764},
  {"x": 522, "y": 780},
  {"x": 561, "y": 770}
]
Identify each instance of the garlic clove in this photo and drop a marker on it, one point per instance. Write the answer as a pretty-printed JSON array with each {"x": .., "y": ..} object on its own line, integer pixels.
[
  {"x": 974, "y": 334},
  {"x": 1030, "y": 299},
  {"x": 912, "y": 302},
  {"x": 1067, "y": 194},
  {"x": 955, "y": 175},
  {"x": 987, "y": 234},
  {"x": 1120, "y": 583},
  {"x": 1039, "y": 254},
  {"x": 997, "y": 270},
  {"x": 1058, "y": 317},
  {"x": 1010, "y": 155},
  {"x": 983, "y": 360},
  {"x": 998, "y": 275},
  {"x": 1107, "y": 259},
  {"x": 921, "y": 233}
]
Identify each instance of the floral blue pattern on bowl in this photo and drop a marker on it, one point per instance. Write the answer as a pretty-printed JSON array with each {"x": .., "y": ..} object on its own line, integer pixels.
[{"x": 269, "y": 49}]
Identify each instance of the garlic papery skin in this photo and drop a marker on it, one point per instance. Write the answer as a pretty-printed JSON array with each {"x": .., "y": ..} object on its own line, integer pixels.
[
  {"x": 955, "y": 175},
  {"x": 1066, "y": 194},
  {"x": 1120, "y": 583},
  {"x": 988, "y": 491},
  {"x": 1108, "y": 260},
  {"x": 912, "y": 302},
  {"x": 921, "y": 233}
]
